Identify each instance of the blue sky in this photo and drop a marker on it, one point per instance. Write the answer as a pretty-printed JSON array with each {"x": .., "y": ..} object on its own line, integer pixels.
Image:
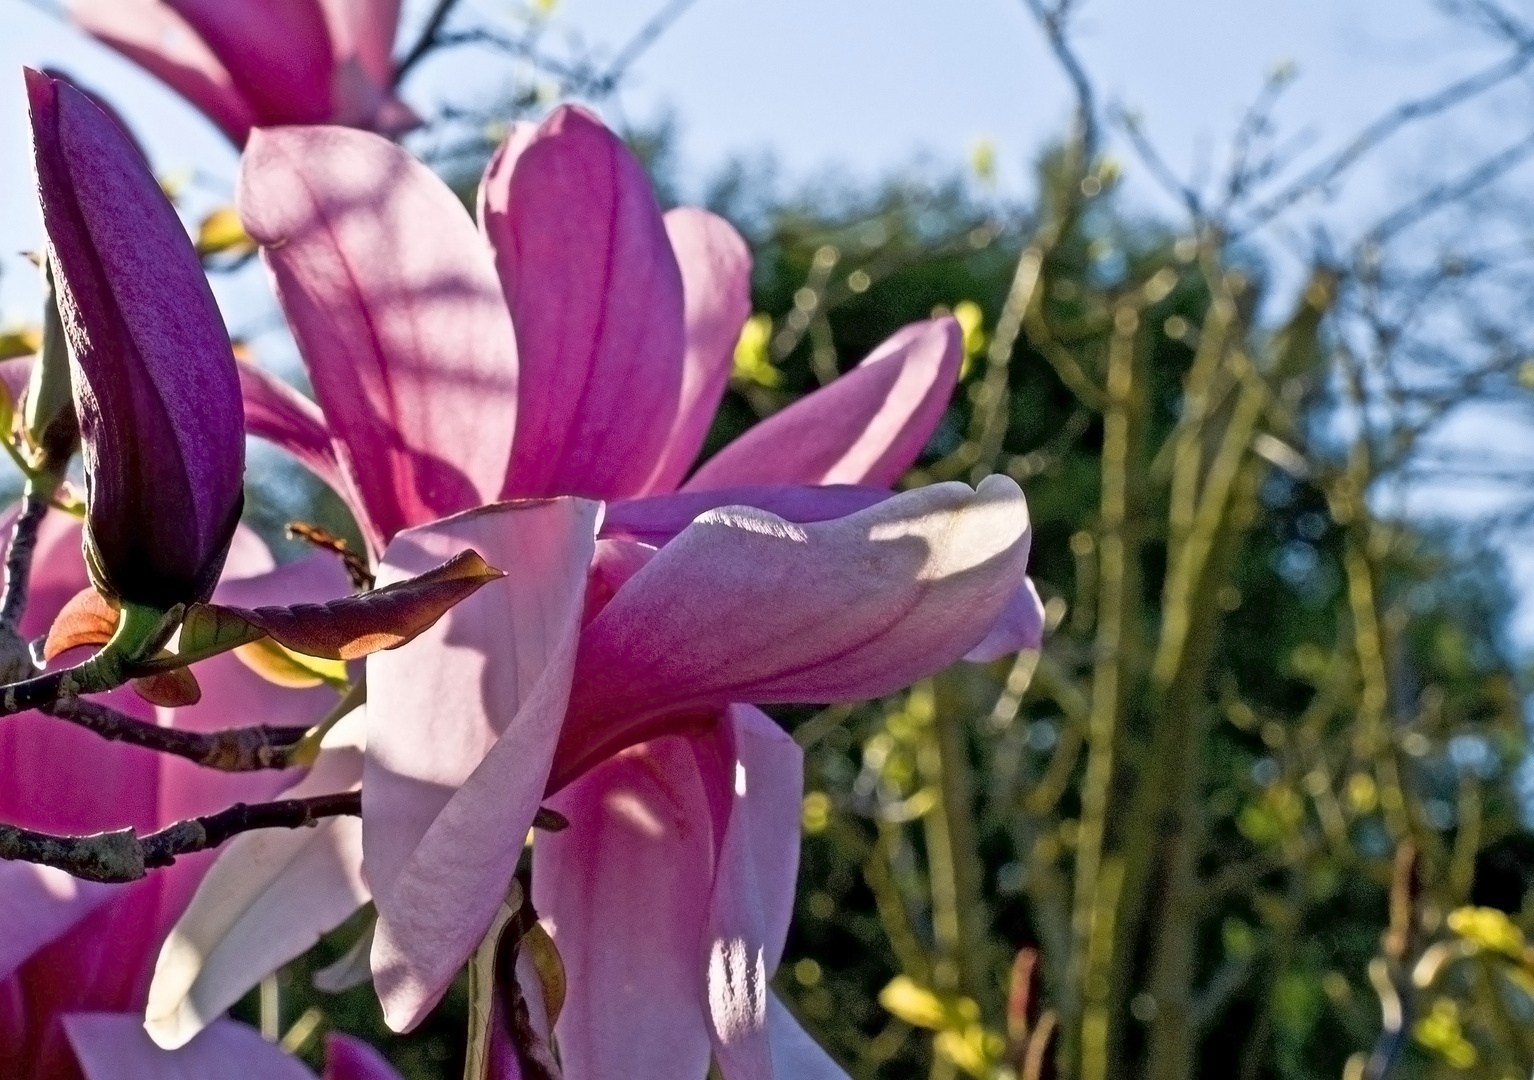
[
  {"x": 872, "y": 84},
  {"x": 865, "y": 86}
]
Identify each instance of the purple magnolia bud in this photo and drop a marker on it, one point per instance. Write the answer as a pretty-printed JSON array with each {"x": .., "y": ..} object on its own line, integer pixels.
[{"x": 152, "y": 371}]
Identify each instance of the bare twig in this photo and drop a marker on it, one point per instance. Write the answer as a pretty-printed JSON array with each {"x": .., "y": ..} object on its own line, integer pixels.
[
  {"x": 244, "y": 749},
  {"x": 637, "y": 45},
  {"x": 18, "y": 557},
  {"x": 1055, "y": 21},
  {"x": 1129, "y": 123},
  {"x": 428, "y": 40},
  {"x": 356, "y": 565},
  {"x": 579, "y": 76},
  {"x": 123, "y": 855},
  {"x": 1450, "y": 191},
  {"x": 1328, "y": 171}
]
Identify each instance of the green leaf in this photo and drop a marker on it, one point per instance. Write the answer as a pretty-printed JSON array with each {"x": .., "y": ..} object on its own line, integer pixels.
[
  {"x": 209, "y": 629},
  {"x": 281, "y": 665},
  {"x": 21, "y": 342},
  {"x": 353, "y": 969},
  {"x": 354, "y": 626},
  {"x": 482, "y": 987}
]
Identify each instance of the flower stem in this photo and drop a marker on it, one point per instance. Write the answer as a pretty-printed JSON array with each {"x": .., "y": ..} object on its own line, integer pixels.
[{"x": 18, "y": 556}]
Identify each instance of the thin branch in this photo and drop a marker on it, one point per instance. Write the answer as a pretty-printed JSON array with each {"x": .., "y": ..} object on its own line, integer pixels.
[
  {"x": 1451, "y": 191},
  {"x": 427, "y": 41},
  {"x": 1055, "y": 21},
  {"x": 18, "y": 557},
  {"x": 1387, "y": 125},
  {"x": 246, "y": 749},
  {"x": 123, "y": 855},
  {"x": 1152, "y": 159},
  {"x": 637, "y": 45},
  {"x": 577, "y": 76},
  {"x": 1256, "y": 124},
  {"x": 89, "y": 677}
]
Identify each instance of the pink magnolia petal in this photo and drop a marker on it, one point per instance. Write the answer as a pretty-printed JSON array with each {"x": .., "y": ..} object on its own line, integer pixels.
[
  {"x": 716, "y": 294},
  {"x": 280, "y": 414},
  {"x": 102, "y": 963},
  {"x": 865, "y": 428},
  {"x": 614, "y": 562},
  {"x": 114, "y": 1046},
  {"x": 277, "y": 52},
  {"x": 657, "y": 519},
  {"x": 764, "y": 829},
  {"x": 267, "y": 900},
  {"x": 152, "y": 35},
  {"x": 624, "y": 893},
  {"x": 248, "y": 557},
  {"x": 355, "y": 98},
  {"x": 37, "y": 905},
  {"x": 347, "y": 1058},
  {"x": 312, "y": 579},
  {"x": 394, "y": 118},
  {"x": 233, "y": 694},
  {"x": 596, "y": 298},
  {"x": 60, "y": 778},
  {"x": 461, "y": 729},
  {"x": 1021, "y": 626},
  {"x": 397, "y": 311},
  {"x": 753, "y": 895},
  {"x": 365, "y": 29},
  {"x": 795, "y": 1056},
  {"x": 743, "y": 606},
  {"x": 15, "y": 373}
]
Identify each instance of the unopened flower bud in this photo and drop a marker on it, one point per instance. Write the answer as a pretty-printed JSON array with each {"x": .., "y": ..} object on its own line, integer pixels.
[{"x": 153, "y": 376}]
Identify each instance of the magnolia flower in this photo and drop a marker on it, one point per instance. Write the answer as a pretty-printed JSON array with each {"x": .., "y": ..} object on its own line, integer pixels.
[
  {"x": 250, "y": 63},
  {"x": 114, "y": 1047},
  {"x": 152, "y": 371},
  {"x": 574, "y": 350},
  {"x": 73, "y": 946}
]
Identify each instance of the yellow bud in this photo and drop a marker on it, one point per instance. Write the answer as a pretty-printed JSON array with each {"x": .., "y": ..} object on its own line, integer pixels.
[
  {"x": 753, "y": 363},
  {"x": 21, "y": 341},
  {"x": 982, "y": 159},
  {"x": 817, "y": 812},
  {"x": 221, "y": 233},
  {"x": 917, "y": 1006},
  {"x": 1363, "y": 794},
  {"x": 1488, "y": 929}
]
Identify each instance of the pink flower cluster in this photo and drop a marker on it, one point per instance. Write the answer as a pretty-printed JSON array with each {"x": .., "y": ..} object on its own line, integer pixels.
[{"x": 536, "y": 387}]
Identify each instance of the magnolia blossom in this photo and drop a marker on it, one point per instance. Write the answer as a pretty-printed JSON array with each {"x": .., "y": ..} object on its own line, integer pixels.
[
  {"x": 574, "y": 350},
  {"x": 74, "y": 946},
  {"x": 115, "y": 1047},
  {"x": 250, "y": 63}
]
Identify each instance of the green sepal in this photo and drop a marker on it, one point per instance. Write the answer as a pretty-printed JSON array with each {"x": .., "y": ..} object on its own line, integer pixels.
[
  {"x": 141, "y": 633},
  {"x": 48, "y": 417}
]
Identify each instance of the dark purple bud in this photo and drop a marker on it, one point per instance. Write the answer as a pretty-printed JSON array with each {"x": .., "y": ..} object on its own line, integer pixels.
[{"x": 152, "y": 372}]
